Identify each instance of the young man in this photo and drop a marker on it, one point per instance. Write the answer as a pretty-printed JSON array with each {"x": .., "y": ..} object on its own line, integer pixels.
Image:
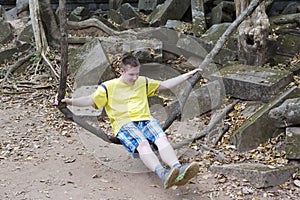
[{"x": 126, "y": 104}]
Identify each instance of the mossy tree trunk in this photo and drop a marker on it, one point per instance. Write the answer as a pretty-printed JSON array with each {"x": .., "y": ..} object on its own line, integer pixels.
[{"x": 252, "y": 34}]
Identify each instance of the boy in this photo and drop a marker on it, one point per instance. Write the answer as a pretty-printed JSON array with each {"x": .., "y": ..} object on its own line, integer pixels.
[{"x": 126, "y": 104}]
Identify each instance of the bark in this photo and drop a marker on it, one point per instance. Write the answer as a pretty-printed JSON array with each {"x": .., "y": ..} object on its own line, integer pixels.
[
  {"x": 208, "y": 59},
  {"x": 50, "y": 23},
  {"x": 252, "y": 34},
  {"x": 63, "y": 78},
  {"x": 287, "y": 114},
  {"x": 64, "y": 52},
  {"x": 38, "y": 30}
]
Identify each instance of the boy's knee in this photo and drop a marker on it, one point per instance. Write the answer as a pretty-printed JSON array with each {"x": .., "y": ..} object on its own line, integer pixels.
[
  {"x": 144, "y": 146},
  {"x": 162, "y": 142}
]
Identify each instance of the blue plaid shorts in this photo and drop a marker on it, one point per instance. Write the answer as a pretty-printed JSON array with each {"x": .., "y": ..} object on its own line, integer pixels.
[{"x": 133, "y": 133}]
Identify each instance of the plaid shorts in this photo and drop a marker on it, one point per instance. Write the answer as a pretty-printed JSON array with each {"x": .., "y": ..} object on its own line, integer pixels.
[{"x": 133, "y": 133}]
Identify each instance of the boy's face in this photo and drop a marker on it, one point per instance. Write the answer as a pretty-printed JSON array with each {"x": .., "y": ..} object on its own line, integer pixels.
[{"x": 129, "y": 74}]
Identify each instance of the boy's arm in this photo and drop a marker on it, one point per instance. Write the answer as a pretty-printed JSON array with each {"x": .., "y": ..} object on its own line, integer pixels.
[
  {"x": 167, "y": 84},
  {"x": 80, "y": 101}
]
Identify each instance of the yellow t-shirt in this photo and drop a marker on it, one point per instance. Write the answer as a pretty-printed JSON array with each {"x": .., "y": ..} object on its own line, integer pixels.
[{"x": 125, "y": 103}]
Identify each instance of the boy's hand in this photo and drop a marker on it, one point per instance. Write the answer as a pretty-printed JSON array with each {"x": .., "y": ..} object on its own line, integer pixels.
[
  {"x": 64, "y": 100},
  {"x": 191, "y": 73}
]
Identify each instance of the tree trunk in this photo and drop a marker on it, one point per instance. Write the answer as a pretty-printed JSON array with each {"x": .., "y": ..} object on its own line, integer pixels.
[
  {"x": 64, "y": 51},
  {"x": 252, "y": 34},
  {"x": 50, "y": 23},
  {"x": 38, "y": 30}
]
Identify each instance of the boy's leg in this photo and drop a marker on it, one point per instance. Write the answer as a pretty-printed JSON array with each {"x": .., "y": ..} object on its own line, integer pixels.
[
  {"x": 148, "y": 156},
  {"x": 154, "y": 133},
  {"x": 167, "y": 152},
  {"x": 132, "y": 138},
  {"x": 168, "y": 155}
]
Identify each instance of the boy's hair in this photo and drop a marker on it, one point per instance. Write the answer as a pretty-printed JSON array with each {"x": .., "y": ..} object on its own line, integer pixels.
[{"x": 129, "y": 59}]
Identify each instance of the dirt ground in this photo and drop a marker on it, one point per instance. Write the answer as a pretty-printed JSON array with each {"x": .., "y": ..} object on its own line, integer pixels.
[
  {"x": 38, "y": 161},
  {"x": 42, "y": 156}
]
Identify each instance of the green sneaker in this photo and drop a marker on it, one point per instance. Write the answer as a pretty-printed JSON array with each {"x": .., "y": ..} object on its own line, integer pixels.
[
  {"x": 169, "y": 177},
  {"x": 186, "y": 173}
]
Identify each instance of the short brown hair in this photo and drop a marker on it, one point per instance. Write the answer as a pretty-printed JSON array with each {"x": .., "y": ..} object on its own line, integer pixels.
[{"x": 129, "y": 59}]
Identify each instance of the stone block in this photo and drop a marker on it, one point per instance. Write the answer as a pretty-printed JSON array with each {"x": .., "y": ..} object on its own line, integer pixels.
[
  {"x": 145, "y": 50},
  {"x": 6, "y": 33},
  {"x": 186, "y": 45},
  {"x": 8, "y": 53},
  {"x": 128, "y": 11},
  {"x": 293, "y": 143},
  {"x": 170, "y": 9},
  {"x": 147, "y": 5},
  {"x": 253, "y": 83},
  {"x": 259, "y": 175},
  {"x": 259, "y": 127},
  {"x": 198, "y": 16},
  {"x": 223, "y": 12},
  {"x": 90, "y": 64}
]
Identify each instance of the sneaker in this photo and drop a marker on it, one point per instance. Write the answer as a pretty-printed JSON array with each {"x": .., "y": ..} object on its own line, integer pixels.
[
  {"x": 169, "y": 177},
  {"x": 186, "y": 173}
]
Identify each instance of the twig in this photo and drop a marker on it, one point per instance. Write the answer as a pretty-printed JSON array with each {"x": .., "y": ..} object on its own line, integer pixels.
[
  {"x": 221, "y": 131},
  {"x": 216, "y": 119},
  {"x": 15, "y": 66},
  {"x": 49, "y": 64}
]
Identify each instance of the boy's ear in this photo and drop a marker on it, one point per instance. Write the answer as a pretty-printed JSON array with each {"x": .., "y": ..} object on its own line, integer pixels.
[{"x": 122, "y": 70}]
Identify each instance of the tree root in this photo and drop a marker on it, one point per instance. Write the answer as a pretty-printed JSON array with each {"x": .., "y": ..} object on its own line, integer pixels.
[
  {"x": 15, "y": 66},
  {"x": 92, "y": 22}
]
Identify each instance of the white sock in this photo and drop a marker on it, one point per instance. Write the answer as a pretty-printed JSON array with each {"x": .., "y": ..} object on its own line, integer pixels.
[
  {"x": 167, "y": 152},
  {"x": 148, "y": 156}
]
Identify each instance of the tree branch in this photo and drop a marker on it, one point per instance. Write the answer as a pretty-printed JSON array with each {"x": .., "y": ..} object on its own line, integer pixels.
[{"x": 208, "y": 59}]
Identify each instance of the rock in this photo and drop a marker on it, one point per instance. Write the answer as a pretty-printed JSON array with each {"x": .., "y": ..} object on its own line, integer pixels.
[
  {"x": 26, "y": 35},
  {"x": 259, "y": 127},
  {"x": 259, "y": 175},
  {"x": 286, "y": 45},
  {"x": 147, "y": 5},
  {"x": 287, "y": 114},
  {"x": 6, "y": 33},
  {"x": 2, "y": 11},
  {"x": 170, "y": 9},
  {"x": 223, "y": 12},
  {"x": 293, "y": 143},
  {"x": 11, "y": 53},
  {"x": 22, "y": 5},
  {"x": 79, "y": 14},
  {"x": 11, "y": 14},
  {"x": 115, "y": 16},
  {"x": 198, "y": 16},
  {"x": 90, "y": 64},
  {"x": 128, "y": 12},
  {"x": 253, "y": 83},
  {"x": 132, "y": 23},
  {"x": 291, "y": 8},
  {"x": 186, "y": 45}
]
